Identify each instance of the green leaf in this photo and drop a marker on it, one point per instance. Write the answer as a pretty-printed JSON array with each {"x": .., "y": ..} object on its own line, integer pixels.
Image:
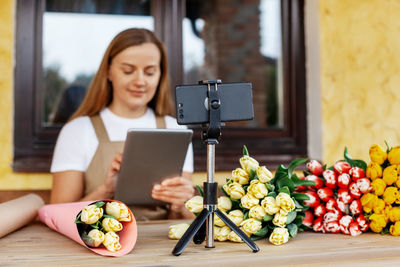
[
  {"x": 291, "y": 216},
  {"x": 262, "y": 232},
  {"x": 300, "y": 196},
  {"x": 298, "y": 221},
  {"x": 245, "y": 151},
  {"x": 292, "y": 229},
  {"x": 256, "y": 238},
  {"x": 297, "y": 204},
  {"x": 285, "y": 182},
  {"x": 109, "y": 216},
  {"x": 198, "y": 187},
  {"x": 269, "y": 187},
  {"x": 294, "y": 164},
  {"x": 387, "y": 147},
  {"x": 246, "y": 215},
  {"x": 354, "y": 163},
  {"x": 268, "y": 218},
  {"x": 385, "y": 231},
  {"x": 78, "y": 218},
  {"x": 284, "y": 189},
  {"x": 87, "y": 239},
  {"x": 100, "y": 204},
  {"x": 297, "y": 181},
  {"x": 253, "y": 174},
  {"x": 223, "y": 191},
  {"x": 271, "y": 194}
]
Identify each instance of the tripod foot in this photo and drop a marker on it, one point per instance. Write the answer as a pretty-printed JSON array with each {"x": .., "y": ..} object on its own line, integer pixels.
[{"x": 190, "y": 232}]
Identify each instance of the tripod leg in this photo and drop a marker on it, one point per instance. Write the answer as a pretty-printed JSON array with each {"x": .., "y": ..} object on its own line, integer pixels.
[
  {"x": 190, "y": 232},
  {"x": 237, "y": 230},
  {"x": 200, "y": 236}
]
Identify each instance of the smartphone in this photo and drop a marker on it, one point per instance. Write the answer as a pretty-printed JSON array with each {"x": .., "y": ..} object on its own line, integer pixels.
[{"x": 192, "y": 102}]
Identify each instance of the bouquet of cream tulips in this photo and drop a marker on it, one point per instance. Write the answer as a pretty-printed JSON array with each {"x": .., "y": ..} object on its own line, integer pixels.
[
  {"x": 99, "y": 222},
  {"x": 261, "y": 204},
  {"x": 106, "y": 227}
]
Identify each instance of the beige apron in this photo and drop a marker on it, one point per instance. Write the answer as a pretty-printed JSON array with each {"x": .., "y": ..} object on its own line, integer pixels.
[{"x": 101, "y": 161}]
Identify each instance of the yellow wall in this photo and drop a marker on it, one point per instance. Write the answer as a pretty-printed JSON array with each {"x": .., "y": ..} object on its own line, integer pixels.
[
  {"x": 8, "y": 179},
  {"x": 360, "y": 69}
]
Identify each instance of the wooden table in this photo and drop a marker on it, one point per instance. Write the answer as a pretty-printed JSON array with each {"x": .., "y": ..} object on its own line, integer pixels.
[{"x": 37, "y": 245}]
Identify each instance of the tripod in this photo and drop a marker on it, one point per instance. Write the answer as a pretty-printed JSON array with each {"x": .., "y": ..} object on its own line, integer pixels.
[{"x": 203, "y": 226}]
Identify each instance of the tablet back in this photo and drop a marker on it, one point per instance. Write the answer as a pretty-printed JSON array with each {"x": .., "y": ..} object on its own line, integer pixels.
[{"x": 149, "y": 156}]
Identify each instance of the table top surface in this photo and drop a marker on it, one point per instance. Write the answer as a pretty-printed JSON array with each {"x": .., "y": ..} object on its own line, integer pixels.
[{"x": 38, "y": 245}]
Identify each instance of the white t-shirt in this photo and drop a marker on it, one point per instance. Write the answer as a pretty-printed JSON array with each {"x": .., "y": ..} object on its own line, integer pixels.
[{"x": 77, "y": 141}]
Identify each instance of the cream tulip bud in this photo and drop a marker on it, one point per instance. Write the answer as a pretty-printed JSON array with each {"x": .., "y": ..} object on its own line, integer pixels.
[
  {"x": 176, "y": 231},
  {"x": 111, "y": 242},
  {"x": 269, "y": 205},
  {"x": 224, "y": 203},
  {"x": 234, "y": 237},
  {"x": 285, "y": 202},
  {"x": 218, "y": 221},
  {"x": 222, "y": 233},
  {"x": 97, "y": 237},
  {"x": 195, "y": 204},
  {"x": 263, "y": 174},
  {"x": 248, "y": 163},
  {"x": 251, "y": 226},
  {"x": 279, "y": 236},
  {"x": 257, "y": 189},
  {"x": 236, "y": 216},
  {"x": 119, "y": 211},
  {"x": 240, "y": 176},
  {"x": 280, "y": 219},
  {"x": 111, "y": 225},
  {"x": 234, "y": 190},
  {"x": 91, "y": 214},
  {"x": 248, "y": 201},
  {"x": 257, "y": 212}
]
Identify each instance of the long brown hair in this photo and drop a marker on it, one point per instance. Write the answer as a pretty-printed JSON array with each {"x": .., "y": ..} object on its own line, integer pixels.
[{"x": 99, "y": 94}]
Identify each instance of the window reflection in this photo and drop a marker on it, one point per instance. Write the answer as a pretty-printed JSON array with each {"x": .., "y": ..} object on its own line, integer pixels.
[
  {"x": 238, "y": 41},
  {"x": 75, "y": 36}
]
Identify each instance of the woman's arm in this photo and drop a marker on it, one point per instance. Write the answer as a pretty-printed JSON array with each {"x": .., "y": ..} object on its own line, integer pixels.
[{"x": 69, "y": 186}]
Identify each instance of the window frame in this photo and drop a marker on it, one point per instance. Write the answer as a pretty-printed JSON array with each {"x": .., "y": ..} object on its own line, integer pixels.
[{"x": 34, "y": 142}]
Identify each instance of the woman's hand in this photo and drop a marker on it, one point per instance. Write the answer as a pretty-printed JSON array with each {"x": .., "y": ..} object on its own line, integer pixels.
[
  {"x": 110, "y": 181},
  {"x": 175, "y": 191}
]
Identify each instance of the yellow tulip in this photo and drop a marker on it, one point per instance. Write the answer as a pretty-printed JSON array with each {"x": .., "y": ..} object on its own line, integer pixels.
[
  {"x": 379, "y": 206},
  {"x": 390, "y": 174},
  {"x": 377, "y": 154},
  {"x": 394, "y": 214},
  {"x": 394, "y": 155},
  {"x": 374, "y": 170},
  {"x": 368, "y": 202},
  {"x": 395, "y": 229},
  {"x": 378, "y": 186},
  {"x": 391, "y": 195},
  {"x": 378, "y": 222}
]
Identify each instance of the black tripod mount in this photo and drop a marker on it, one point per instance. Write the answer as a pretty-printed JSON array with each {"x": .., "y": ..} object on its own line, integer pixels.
[{"x": 202, "y": 228}]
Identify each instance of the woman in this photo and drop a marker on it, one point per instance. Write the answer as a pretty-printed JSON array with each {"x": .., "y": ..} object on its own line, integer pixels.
[{"x": 130, "y": 90}]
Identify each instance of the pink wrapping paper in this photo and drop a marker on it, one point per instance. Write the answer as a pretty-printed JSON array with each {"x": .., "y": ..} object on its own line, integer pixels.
[
  {"x": 18, "y": 212},
  {"x": 61, "y": 218}
]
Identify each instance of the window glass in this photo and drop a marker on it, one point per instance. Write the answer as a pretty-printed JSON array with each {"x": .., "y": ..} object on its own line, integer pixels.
[
  {"x": 75, "y": 37},
  {"x": 238, "y": 41}
]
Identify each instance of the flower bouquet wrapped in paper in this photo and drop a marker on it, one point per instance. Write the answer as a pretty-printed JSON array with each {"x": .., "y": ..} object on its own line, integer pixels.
[
  {"x": 262, "y": 205},
  {"x": 107, "y": 227}
]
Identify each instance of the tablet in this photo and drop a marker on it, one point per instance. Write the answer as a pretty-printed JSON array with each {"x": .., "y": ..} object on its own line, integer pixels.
[{"x": 149, "y": 156}]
